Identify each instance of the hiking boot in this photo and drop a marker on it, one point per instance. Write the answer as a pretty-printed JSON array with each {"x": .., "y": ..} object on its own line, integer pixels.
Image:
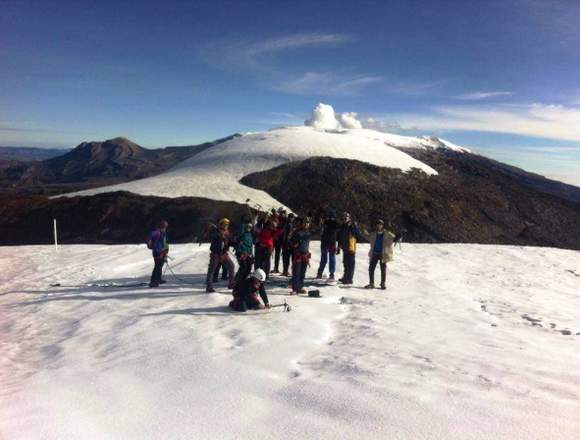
[
  {"x": 370, "y": 286},
  {"x": 341, "y": 280},
  {"x": 209, "y": 290}
]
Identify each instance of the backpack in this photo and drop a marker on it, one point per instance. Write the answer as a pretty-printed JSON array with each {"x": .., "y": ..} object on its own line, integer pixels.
[{"x": 149, "y": 241}]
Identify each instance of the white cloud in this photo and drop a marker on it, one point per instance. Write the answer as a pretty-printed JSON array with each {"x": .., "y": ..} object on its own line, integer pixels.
[
  {"x": 536, "y": 120},
  {"x": 295, "y": 41},
  {"x": 348, "y": 120},
  {"x": 382, "y": 125},
  {"x": 325, "y": 118},
  {"x": 477, "y": 96},
  {"x": 327, "y": 83},
  {"x": 259, "y": 54}
]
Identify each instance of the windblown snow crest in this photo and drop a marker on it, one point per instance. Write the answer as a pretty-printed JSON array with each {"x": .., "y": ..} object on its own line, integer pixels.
[{"x": 215, "y": 173}]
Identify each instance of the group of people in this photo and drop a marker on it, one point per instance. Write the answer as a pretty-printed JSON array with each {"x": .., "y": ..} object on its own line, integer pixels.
[{"x": 283, "y": 239}]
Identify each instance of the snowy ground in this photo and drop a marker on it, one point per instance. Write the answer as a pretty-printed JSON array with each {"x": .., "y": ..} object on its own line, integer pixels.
[{"x": 467, "y": 343}]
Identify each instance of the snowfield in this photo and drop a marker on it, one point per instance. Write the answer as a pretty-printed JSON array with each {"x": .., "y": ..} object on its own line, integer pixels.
[
  {"x": 215, "y": 172},
  {"x": 468, "y": 342}
]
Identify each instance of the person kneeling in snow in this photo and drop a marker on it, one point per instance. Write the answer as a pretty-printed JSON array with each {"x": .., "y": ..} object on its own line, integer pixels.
[{"x": 246, "y": 293}]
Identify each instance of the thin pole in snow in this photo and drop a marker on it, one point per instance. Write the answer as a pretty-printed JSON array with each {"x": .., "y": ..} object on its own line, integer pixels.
[{"x": 55, "y": 235}]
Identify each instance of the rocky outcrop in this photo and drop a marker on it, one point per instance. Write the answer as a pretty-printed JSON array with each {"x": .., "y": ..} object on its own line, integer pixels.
[{"x": 471, "y": 200}]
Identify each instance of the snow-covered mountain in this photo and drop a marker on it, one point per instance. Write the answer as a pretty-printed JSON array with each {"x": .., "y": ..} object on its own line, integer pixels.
[{"x": 215, "y": 172}]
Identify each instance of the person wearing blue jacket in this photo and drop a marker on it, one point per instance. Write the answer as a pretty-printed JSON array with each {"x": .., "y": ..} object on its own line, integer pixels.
[
  {"x": 160, "y": 248},
  {"x": 245, "y": 253}
]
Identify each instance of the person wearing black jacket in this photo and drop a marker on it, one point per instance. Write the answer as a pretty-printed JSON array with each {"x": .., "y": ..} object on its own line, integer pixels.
[
  {"x": 348, "y": 236},
  {"x": 282, "y": 219},
  {"x": 300, "y": 243},
  {"x": 328, "y": 239},
  {"x": 219, "y": 245},
  {"x": 286, "y": 249},
  {"x": 246, "y": 293}
]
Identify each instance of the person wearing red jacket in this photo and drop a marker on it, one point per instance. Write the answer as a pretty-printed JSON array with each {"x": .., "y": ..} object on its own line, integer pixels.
[{"x": 265, "y": 246}]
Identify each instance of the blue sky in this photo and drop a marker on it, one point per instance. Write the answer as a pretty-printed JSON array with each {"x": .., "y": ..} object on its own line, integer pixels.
[{"x": 499, "y": 76}]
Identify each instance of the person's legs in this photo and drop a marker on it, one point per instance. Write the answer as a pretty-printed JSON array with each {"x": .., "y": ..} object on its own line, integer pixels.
[
  {"x": 216, "y": 273},
  {"x": 267, "y": 262},
  {"x": 372, "y": 267},
  {"x": 332, "y": 262},
  {"x": 239, "y": 305},
  {"x": 252, "y": 302},
  {"x": 285, "y": 260},
  {"x": 296, "y": 268},
  {"x": 383, "y": 274},
  {"x": 230, "y": 268},
  {"x": 344, "y": 265},
  {"x": 323, "y": 260},
  {"x": 277, "y": 251},
  {"x": 302, "y": 275},
  {"x": 258, "y": 264},
  {"x": 156, "y": 274},
  {"x": 214, "y": 262},
  {"x": 225, "y": 273},
  {"x": 350, "y": 264}
]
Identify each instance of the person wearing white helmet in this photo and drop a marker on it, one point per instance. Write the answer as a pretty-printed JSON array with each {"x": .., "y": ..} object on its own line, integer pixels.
[{"x": 246, "y": 293}]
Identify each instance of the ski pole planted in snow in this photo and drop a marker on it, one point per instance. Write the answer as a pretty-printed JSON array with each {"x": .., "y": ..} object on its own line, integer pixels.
[{"x": 55, "y": 235}]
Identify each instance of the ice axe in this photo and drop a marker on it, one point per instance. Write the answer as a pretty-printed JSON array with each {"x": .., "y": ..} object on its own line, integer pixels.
[{"x": 285, "y": 305}]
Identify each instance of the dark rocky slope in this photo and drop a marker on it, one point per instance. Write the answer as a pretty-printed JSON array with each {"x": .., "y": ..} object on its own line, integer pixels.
[
  {"x": 472, "y": 200},
  {"x": 119, "y": 217}
]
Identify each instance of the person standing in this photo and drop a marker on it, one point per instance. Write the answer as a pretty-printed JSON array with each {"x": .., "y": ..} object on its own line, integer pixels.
[
  {"x": 349, "y": 234},
  {"x": 219, "y": 246},
  {"x": 286, "y": 249},
  {"x": 300, "y": 243},
  {"x": 160, "y": 248},
  {"x": 328, "y": 247},
  {"x": 282, "y": 219},
  {"x": 380, "y": 252},
  {"x": 265, "y": 246}
]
